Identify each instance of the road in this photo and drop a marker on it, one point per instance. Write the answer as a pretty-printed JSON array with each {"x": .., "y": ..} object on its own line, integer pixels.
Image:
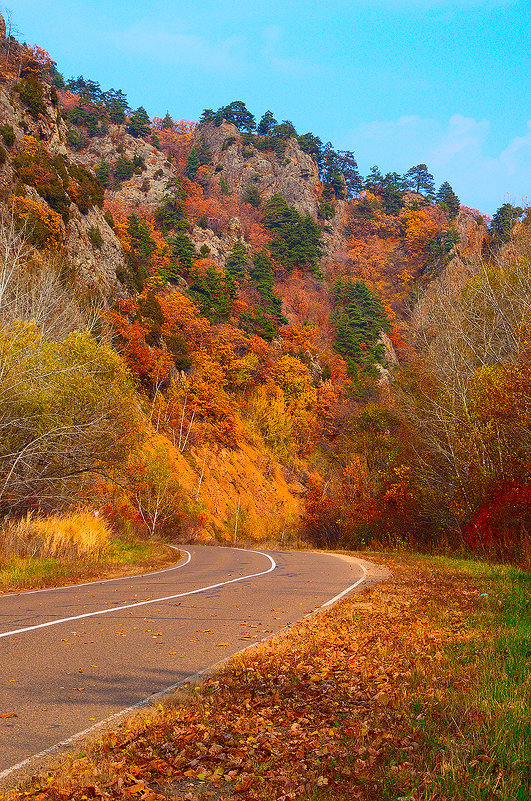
[{"x": 74, "y": 656}]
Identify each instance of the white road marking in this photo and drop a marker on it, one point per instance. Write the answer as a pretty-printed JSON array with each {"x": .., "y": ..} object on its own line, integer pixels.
[
  {"x": 345, "y": 592},
  {"x": 97, "y": 582},
  {"x": 151, "y": 601},
  {"x": 166, "y": 690}
]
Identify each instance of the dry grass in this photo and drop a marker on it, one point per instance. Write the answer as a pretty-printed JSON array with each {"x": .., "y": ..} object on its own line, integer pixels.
[
  {"x": 64, "y": 549},
  {"x": 68, "y": 536}
]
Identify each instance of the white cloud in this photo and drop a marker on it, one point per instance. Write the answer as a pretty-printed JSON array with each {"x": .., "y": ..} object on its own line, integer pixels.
[
  {"x": 457, "y": 150},
  {"x": 174, "y": 47},
  {"x": 284, "y": 65}
]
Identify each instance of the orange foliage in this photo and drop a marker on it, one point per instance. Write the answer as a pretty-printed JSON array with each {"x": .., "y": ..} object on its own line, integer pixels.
[{"x": 44, "y": 226}]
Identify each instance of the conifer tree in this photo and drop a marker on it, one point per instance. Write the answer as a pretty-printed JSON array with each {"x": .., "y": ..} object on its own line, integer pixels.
[{"x": 447, "y": 197}]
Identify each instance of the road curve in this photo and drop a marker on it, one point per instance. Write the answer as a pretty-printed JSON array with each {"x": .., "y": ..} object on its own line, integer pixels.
[{"x": 73, "y": 656}]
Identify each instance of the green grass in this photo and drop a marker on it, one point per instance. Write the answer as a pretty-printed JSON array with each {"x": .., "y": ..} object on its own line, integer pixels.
[
  {"x": 120, "y": 557},
  {"x": 475, "y": 734}
]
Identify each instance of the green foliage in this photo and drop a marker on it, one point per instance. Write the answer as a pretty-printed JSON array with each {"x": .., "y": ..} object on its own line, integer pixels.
[
  {"x": 214, "y": 293},
  {"x": 227, "y": 142},
  {"x": 502, "y": 222},
  {"x": 69, "y": 409},
  {"x": 123, "y": 169},
  {"x": 192, "y": 164},
  {"x": 178, "y": 347},
  {"x": 255, "y": 322},
  {"x": 236, "y": 113},
  {"x": 3, "y": 155},
  {"x": 261, "y": 273},
  {"x": 109, "y": 219},
  {"x": 310, "y": 144},
  {"x": 94, "y": 234},
  {"x": 297, "y": 239},
  {"x": 447, "y": 198},
  {"x": 30, "y": 93},
  {"x": 139, "y": 123},
  {"x": 440, "y": 247},
  {"x": 238, "y": 263},
  {"x": 358, "y": 321},
  {"x": 419, "y": 180},
  {"x": 204, "y": 154},
  {"x": 167, "y": 122},
  {"x": 170, "y": 215},
  {"x": 76, "y": 139},
  {"x": 183, "y": 253},
  {"x": 8, "y": 134},
  {"x": 141, "y": 249},
  {"x": 92, "y": 193},
  {"x": 266, "y": 124},
  {"x": 223, "y": 185},
  {"x": 252, "y": 196},
  {"x": 116, "y": 112},
  {"x": 86, "y": 118},
  {"x": 103, "y": 172}
]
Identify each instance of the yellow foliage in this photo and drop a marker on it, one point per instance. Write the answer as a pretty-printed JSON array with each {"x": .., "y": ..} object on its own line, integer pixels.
[
  {"x": 44, "y": 224},
  {"x": 62, "y": 536}
]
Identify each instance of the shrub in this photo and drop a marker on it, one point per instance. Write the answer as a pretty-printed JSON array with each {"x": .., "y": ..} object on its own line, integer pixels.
[
  {"x": 8, "y": 134},
  {"x": 94, "y": 234},
  {"x": 30, "y": 93}
]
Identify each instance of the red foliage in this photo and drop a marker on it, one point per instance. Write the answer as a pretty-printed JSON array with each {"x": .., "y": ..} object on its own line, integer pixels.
[{"x": 501, "y": 528}]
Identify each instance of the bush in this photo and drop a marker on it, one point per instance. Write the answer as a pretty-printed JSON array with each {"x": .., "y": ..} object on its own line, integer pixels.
[
  {"x": 30, "y": 93},
  {"x": 94, "y": 234},
  {"x": 8, "y": 134}
]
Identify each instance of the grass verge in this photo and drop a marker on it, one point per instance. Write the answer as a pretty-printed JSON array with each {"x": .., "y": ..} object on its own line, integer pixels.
[
  {"x": 415, "y": 689},
  {"x": 118, "y": 558}
]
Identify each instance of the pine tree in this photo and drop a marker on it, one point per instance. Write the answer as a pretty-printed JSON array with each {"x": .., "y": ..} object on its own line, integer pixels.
[
  {"x": 167, "y": 122},
  {"x": 237, "y": 263},
  {"x": 419, "y": 180},
  {"x": 447, "y": 197},
  {"x": 266, "y": 124},
  {"x": 139, "y": 123},
  {"x": 192, "y": 164}
]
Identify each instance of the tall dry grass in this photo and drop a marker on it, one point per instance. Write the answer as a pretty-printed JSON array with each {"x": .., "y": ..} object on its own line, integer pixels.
[{"x": 69, "y": 537}]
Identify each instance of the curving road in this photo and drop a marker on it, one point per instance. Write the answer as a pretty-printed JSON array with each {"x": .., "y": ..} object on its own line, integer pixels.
[{"x": 71, "y": 657}]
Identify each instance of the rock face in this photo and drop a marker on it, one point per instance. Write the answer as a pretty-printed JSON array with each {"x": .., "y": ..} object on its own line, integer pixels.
[
  {"x": 146, "y": 189},
  {"x": 292, "y": 175}
]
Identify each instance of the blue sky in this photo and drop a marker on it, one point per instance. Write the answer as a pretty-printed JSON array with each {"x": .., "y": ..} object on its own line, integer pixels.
[{"x": 399, "y": 82}]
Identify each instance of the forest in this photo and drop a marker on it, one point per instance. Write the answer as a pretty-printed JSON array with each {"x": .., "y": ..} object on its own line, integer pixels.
[{"x": 221, "y": 330}]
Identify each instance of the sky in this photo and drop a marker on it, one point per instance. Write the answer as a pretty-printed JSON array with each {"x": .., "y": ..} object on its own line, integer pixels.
[{"x": 398, "y": 82}]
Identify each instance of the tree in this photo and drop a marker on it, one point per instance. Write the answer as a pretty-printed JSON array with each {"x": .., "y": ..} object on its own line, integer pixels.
[
  {"x": 116, "y": 112},
  {"x": 503, "y": 221},
  {"x": 419, "y": 180},
  {"x": 358, "y": 321},
  {"x": 252, "y": 196},
  {"x": 446, "y": 197},
  {"x": 285, "y": 130},
  {"x": 374, "y": 180},
  {"x": 139, "y": 123},
  {"x": 192, "y": 164},
  {"x": 237, "y": 263},
  {"x": 311, "y": 144},
  {"x": 266, "y": 124},
  {"x": 297, "y": 239},
  {"x": 167, "y": 122},
  {"x": 238, "y": 114}
]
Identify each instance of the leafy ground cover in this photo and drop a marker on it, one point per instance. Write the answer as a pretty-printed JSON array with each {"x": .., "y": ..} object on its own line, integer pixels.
[
  {"x": 418, "y": 688},
  {"x": 118, "y": 558}
]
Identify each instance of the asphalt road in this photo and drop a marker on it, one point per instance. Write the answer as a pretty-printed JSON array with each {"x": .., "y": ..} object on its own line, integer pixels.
[{"x": 71, "y": 657}]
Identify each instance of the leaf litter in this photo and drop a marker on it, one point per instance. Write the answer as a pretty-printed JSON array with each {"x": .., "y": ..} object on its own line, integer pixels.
[{"x": 323, "y": 711}]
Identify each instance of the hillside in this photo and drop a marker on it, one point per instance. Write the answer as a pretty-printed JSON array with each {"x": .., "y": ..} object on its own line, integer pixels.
[{"x": 222, "y": 331}]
